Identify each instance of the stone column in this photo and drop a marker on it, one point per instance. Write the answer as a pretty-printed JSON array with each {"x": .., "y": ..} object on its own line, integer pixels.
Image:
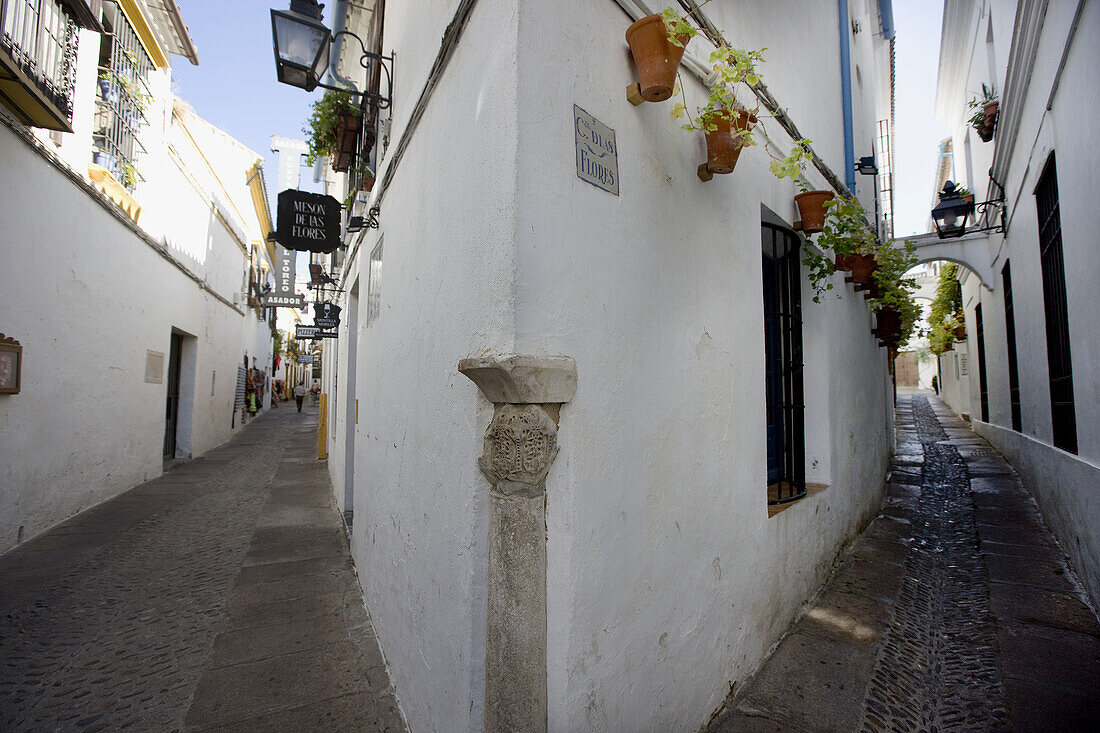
[{"x": 520, "y": 444}]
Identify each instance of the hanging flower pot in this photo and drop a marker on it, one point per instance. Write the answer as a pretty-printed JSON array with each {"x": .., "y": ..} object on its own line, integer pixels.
[
  {"x": 960, "y": 332},
  {"x": 989, "y": 121},
  {"x": 811, "y": 209},
  {"x": 347, "y": 131},
  {"x": 655, "y": 57},
  {"x": 888, "y": 324},
  {"x": 843, "y": 263},
  {"x": 724, "y": 147},
  {"x": 863, "y": 266}
]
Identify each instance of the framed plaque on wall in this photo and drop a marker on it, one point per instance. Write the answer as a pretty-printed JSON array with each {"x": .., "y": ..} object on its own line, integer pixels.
[{"x": 11, "y": 363}]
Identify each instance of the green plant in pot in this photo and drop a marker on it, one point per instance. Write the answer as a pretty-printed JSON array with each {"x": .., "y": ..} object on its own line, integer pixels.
[
  {"x": 334, "y": 116},
  {"x": 892, "y": 301},
  {"x": 725, "y": 122},
  {"x": 984, "y": 117},
  {"x": 811, "y": 203},
  {"x": 846, "y": 243}
]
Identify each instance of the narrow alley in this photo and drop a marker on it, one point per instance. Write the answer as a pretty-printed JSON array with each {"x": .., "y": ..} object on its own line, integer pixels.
[
  {"x": 956, "y": 610},
  {"x": 218, "y": 596}
]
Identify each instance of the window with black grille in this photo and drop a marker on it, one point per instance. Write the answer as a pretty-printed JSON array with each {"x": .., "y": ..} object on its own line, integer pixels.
[
  {"x": 122, "y": 104},
  {"x": 1010, "y": 337},
  {"x": 983, "y": 384},
  {"x": 783, "y": 365},
  {"x": 1059, "y": 363}
]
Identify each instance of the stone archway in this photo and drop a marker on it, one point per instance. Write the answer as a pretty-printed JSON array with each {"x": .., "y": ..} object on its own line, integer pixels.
[{"x": 971, "y": 251}]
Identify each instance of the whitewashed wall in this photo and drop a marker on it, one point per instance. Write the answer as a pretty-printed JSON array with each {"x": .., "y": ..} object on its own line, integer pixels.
[
  {"x": 666, "y": 578},
  {"x": 448, "y": 223},
  {"x": 1063, "y": 484},
  {"x": 88, "y": 298},
  {"x": 88, "y": 294},
  {"x": 667, "y": 581}
]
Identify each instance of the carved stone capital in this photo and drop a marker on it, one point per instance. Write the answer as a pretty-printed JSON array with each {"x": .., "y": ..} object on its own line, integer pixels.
[
  {"x": 520, "y": 445},
  {"x": 523, "y": 378}
]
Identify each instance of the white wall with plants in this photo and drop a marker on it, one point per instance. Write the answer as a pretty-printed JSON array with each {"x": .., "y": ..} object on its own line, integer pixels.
[
  {"x": 667, "y": 579},
  {"x": 1039, "y": 114},
  {"x": 660, "y": 549}
]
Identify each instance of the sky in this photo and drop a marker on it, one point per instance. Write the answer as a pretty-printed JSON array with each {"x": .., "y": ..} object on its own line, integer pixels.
[
  {"x": 917, "y": 134},
  {"x": 234, "y": 85},
  {"x": 235, "y": 89}
]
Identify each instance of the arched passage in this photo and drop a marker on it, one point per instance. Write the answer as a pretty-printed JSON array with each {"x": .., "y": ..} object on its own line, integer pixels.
[{"x": 971, "y": 251}]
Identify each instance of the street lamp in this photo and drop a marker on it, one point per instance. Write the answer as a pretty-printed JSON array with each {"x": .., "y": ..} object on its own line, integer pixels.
[
  {"x": 951, "y": 212},
  {"x": 302, "y": 44},
  {"x": 302, "y": 47}
]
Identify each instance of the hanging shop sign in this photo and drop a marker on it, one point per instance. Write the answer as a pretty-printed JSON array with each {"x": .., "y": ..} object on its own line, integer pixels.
[
  {"x": 305, "y": 358},
  {"x": 597, "y": 154},
  {"x": 312, "y": 332},
  {"x": 326, "y": 315},
  {"x": 283, "y": 296},
  {"x": 308, "y": 222}
]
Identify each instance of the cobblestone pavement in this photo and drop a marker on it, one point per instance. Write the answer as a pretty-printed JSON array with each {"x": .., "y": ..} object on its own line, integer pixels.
[
  {"x": 955, "y": 611},
  {"x": 220, "y": 596}
]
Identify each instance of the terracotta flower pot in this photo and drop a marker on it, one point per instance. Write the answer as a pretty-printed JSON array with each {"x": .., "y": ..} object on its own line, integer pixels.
[
  {"x": 843, "y": 263},
  {"x": 347, "y": 130},
  {"x": 811, "y": 209},
  {"x": 656, "y": 59},
  {"x": 862, "y": 268},
  {"x": 989, "y": 121},
  {"x": 723, "y": 148},
  {"x": 960, "y": 332},
  {"x": 888, "y": 326}
]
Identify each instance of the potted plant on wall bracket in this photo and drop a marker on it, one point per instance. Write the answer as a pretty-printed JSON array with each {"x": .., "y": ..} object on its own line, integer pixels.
[
  {"x": 811, "y": 204},
  {"x": 724, "y": 121},
  {"x": 846, "y": 243},
  {"x": 657, "y": 43},
  {"x": 896, "y": 311},
  {"x": 333, "y": 129},
  {"x": 984, "y": 119}
]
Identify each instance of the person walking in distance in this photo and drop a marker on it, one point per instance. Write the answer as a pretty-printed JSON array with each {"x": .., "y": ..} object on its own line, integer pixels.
[{"x": 299, "y": 394}]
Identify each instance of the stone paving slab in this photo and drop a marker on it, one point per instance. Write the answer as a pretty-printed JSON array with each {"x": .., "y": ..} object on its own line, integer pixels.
[
  {"x": 220, "y": 596},
  {"x": 954, "y": 611}
]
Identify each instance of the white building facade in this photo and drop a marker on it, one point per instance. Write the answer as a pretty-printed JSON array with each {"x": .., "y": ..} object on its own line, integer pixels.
[
  {"x": 134, "y": 258},
  {"x": 626, "y": 330},
  {"x": 1033, "y": 383}
]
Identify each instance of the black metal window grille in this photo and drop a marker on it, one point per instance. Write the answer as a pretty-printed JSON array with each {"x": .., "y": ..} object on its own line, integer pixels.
[
  {"x": 983, "y": 384},
  {"x": 40, "y": 37},
  {"x": 124, "y": 68},
  {"x": 1010, "y": 337},
  {"x": 784, "y": 402},
  {"x": 1059, "y": 363}
]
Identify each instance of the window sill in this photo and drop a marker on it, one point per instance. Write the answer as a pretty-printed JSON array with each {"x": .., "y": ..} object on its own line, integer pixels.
[
  {"x": 811, "y": 490},
  {"x": 114, "y": 190}
]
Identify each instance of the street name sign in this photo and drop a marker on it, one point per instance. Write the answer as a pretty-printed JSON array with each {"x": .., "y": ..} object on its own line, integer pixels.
[{"x": 597, "y": 154}]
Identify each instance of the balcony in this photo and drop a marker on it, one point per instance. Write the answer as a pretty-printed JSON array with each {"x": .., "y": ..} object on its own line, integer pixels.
[{"x": 38, "y": 58}]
